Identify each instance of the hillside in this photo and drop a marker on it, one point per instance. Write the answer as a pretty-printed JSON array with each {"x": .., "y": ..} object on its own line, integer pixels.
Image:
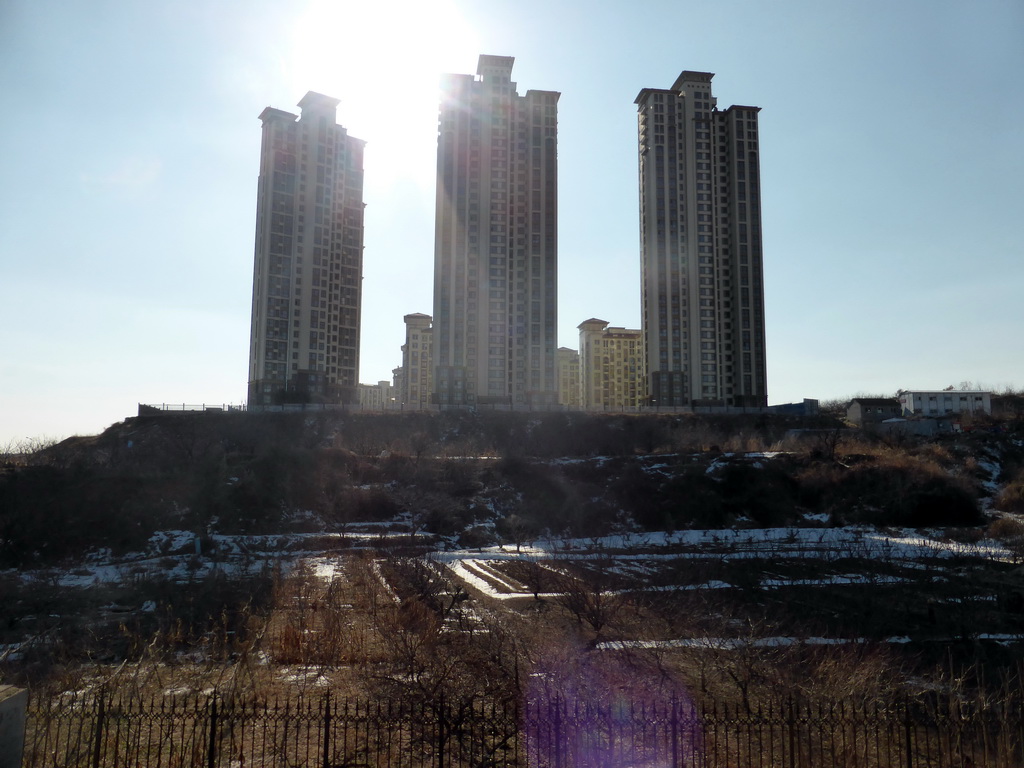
[{"x": 365, "y": 544}]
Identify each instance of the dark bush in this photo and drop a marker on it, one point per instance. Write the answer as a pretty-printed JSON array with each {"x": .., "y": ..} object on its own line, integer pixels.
[
  {"x": 638, "y": 492},
  {"x": 596, "y": 518},
  {"x": 397, "y": 467},
  {"x": 692, "y": 499},
  {"x": 373, "y": 504},
  {"x": 459, "y": 477},
  {"x": 476, "y": 537},
  {"x": 446, "y": 519},
  {"x": 47, "y": 514},
  {"x": 262, "y": 491},
  {"x": 902, "y": 493},
  {"x": 766, "y": 493}
]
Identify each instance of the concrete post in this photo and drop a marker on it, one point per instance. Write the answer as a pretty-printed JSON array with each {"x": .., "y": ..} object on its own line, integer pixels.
[{"x": 13, "y": 702}]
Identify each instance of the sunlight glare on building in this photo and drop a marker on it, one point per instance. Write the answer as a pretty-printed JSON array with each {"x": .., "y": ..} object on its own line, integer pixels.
[
  {"x": 351, "y": 49},
  {"x": 701, "y": 257},
  {"x": 496, "y": 241},
  {"x": 307, "y": 275}
]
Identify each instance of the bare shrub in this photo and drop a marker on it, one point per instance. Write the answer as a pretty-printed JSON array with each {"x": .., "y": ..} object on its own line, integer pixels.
[
  {"x": 412, "y": 632},
  {"x": 1006, "y": 529},
  {"x": 426, "y": 657},
  {"x": 935, "y": 453},
  {"x": 27, "y": 451},
  {"x": 592, "y": 595},
  {"x": 1011, "y": 497},
  {"x": 887, "y": 487},
  {"x": 852, "y": 672},
  {"x": 739, "y": 654},
  {"x": 1009, "y": 531},
  {"x": 745, "y": 442}
]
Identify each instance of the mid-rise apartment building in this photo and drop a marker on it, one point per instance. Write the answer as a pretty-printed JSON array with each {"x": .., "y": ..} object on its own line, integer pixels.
[
  {"x": 377, "y": 397},
  {"x": 496, "y": 241},
  {"x": 701, "y": 253},
  {"x": 611, "y": 366},
  {"x": 417, "y": 361},
  {"x": 568, "y": 361},
  {"x": 304, "y": 339}
]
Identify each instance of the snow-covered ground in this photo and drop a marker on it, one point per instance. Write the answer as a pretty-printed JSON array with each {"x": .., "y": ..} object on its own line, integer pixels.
[
  {"x": 732, "y": 643},
  {"x": 180, "y": 555},
  {"x": 807, "y": 557},
  {"x": 477, "y": 569},
  {"x": 183, "y": 556}
]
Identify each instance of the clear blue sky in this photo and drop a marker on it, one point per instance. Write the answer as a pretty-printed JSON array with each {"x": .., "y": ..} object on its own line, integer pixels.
[{"x": 891, "y": 150}]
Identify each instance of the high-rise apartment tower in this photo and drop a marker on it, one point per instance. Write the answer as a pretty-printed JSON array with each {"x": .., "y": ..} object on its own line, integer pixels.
[
  {"x": 701, "y": 259},
  {"x": 496, "y": 241},
  {"x": 304, "y": 342}
]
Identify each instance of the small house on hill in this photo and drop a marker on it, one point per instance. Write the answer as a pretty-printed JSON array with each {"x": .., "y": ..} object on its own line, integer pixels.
[{"x": 866, "y": 412}]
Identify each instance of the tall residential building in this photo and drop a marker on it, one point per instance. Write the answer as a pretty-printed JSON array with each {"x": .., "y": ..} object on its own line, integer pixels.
[
  {"x": 568, "y": 377},
  {"x": 700, "y": 234},
  {"x": 304, "y": 342},
  {"x": 611, "y": 365},
  {"x": 417, "y": 361},
  {"x": 496, "y": 241}
]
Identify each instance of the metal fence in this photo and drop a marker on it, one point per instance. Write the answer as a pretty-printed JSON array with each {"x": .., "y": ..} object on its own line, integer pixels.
[
  {"x": 101, "y": 730},
  {"x": 153, "y": 409}
]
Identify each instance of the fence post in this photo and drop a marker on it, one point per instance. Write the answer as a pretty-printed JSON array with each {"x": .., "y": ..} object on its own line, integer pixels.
[
  {"x": 98, "y": 739},
  {"x": 13, "y": 703},
  {"x": 792, "y": 734},
  {"x": 440, "y": 731},
  {"x": 558, "y": 732},
  {"x": 211, "y": 755},
  {"x": 675, "y": 732},
  {"x": 327, "y": 730},
  {"x": 906, "y": 732}
]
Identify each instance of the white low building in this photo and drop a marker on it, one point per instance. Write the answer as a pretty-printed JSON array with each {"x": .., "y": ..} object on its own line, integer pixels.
[{"x": 944, "y": 401}]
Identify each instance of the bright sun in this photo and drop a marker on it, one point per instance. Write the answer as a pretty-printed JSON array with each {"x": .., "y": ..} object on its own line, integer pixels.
[{"x": 383, "y": 61}]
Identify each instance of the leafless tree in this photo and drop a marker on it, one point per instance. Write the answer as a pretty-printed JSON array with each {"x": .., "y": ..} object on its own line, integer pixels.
[
  {"x": 419, "y": 444},
  {"x": 589, "y": 595},
  {"x": 536, "y": 577},
  {"x": 519, "y": 529}
]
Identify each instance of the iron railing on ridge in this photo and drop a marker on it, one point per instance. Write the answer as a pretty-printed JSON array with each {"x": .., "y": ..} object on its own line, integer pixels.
[
  {"x": 154, "y": 409},
  {"x": 101, "y": 730}
]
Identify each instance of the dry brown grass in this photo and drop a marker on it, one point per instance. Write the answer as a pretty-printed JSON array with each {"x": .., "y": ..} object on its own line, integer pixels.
[{"x": 1011, "y": 497}]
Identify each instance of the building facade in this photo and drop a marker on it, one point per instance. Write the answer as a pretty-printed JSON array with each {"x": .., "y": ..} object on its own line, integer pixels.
[
  {"x": 568, "y": 361},
  {"x": 943, "y": 402},
  {"x": 701, "y": 256},
  {"x": 304, "y": 339},
  {"x": 377, "y": 397},
  {"x": 496, "y": 241},
  {"x": 867, "y": 411},
  {"x": 417, "y": 362},
  {"x": 398, "y": 381},
  {"x": 611, "y": 366}
]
